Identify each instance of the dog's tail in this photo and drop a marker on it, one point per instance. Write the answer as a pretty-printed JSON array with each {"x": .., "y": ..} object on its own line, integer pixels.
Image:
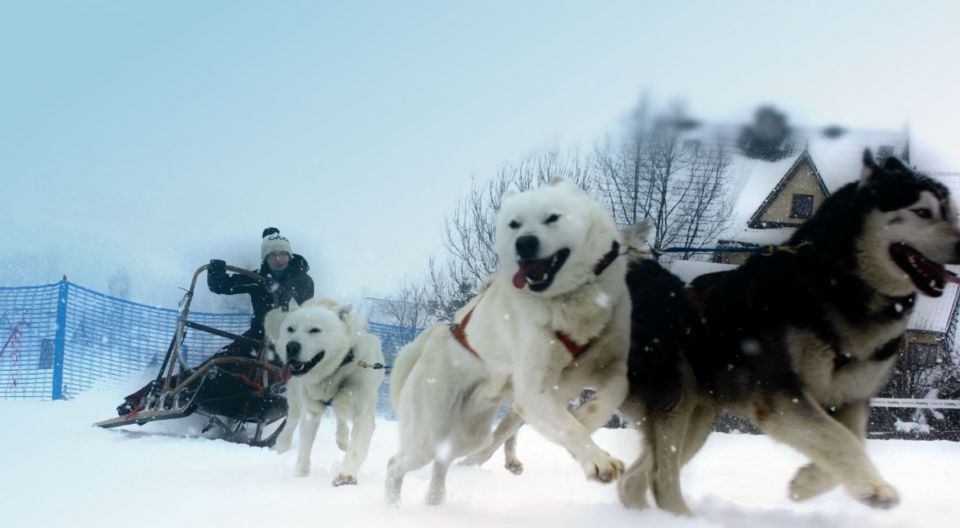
[
  {"x": 635, "y": 238},
  {"x": 403, "y": 364},
  {"x": 271, "y": 324}
]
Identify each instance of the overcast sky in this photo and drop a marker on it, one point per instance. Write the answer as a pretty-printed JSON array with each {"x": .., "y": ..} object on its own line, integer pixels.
[{"x": 157, "y": 135}]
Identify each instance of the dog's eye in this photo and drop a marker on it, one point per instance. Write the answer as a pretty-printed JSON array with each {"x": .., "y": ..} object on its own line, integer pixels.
[
  {"x": 923, "y": 212},
  {"x": 551, "y": 219},
  {"x": 514, "y": 224},
  {"x": 289, "y": 329},
  {"x": 314, "y": 330}
]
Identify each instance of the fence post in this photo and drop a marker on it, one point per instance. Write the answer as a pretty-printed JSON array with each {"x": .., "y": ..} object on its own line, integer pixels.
[{"x": 60, "y": 341}]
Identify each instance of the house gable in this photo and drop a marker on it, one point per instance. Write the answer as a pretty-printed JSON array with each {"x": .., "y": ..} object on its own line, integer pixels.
[{"x": 794, "y": 199}]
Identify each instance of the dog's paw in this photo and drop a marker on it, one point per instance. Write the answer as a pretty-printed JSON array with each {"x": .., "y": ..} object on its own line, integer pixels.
[
  {"x": 879, "y": 495},
  {"x": 301, "y": 470},
  {"x": 281, "y": 447},
  {"x": 392, "y": 492},
  {"x": 514, "y": 466},
  {"x": 344, "y": 479},
  {"x": 811, "y": 480},
  {"x": 632, "y": 490},
  {"x": 606, "y": 469}
]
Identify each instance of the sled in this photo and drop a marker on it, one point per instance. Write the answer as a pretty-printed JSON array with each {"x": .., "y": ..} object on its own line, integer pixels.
[{"x": 236, "y": 393}]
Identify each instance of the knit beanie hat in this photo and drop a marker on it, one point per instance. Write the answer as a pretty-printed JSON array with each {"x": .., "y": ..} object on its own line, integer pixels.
[{"x": 273, "y": 241}]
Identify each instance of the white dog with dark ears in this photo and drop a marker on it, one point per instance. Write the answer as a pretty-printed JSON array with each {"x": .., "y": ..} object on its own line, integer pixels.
[
  {"x": 328, "y": 355},
  {"x": 555, "y": 319}
]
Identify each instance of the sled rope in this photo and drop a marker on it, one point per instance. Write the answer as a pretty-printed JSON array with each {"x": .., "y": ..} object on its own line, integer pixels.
[
  {"x": 374, "y": 366},
  {"x": 247, "y": 381},
  {"x": 134, "y": 411},
  {"x": 765, "y": 250}
]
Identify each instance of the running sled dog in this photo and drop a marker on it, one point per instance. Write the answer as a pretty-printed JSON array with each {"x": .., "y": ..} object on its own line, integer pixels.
[
  {"x": 328, "y": 356},
  {"x": 798, "y": 341},
  {"x": 555, "y": 318}
]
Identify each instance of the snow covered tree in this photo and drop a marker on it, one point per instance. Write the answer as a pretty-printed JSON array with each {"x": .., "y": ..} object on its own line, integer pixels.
[
  {"x": 118, "y": 285},
  {"x": 409, "y": 306},
  {"x": 659, "y": 171}
]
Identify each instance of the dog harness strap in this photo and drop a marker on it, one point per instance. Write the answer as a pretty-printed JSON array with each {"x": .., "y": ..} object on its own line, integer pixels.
[
  {"x": 607, "y": 258},
  {"x": 460, "y": 331},
  {"x": 247, "y": 381},
  {"x": 573, "y": 347},
  {"x": 347, "y": 359}
]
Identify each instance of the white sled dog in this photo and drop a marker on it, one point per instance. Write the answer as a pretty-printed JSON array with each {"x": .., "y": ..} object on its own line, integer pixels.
[
  {"x": 329, "y": 357},
  {"x": 553, "y": 320},
  {"x": 797, "y": 341}
]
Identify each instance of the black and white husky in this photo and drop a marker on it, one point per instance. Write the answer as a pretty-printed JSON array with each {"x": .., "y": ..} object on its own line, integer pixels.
[{"x": 798, "y": 342}]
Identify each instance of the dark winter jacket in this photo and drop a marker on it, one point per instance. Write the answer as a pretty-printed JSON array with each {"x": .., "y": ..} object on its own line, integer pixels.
[{"x": 291, "y": 283}]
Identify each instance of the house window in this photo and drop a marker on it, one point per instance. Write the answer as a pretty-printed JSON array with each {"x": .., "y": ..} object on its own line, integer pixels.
[{"x": 802, "y": 206}]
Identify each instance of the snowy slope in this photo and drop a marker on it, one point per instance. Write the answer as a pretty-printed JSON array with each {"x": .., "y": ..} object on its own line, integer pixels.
[{"x": 59, "y": 471}]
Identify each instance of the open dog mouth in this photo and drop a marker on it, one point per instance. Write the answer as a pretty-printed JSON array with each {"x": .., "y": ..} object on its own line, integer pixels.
[
  {"x": 539, "y": 273},
  {"x": 928, "y": 276},
  {"x": 299, "y": 368}
]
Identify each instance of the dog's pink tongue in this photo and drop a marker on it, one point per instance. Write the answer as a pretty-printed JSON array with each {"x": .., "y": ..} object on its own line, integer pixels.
[
  {"x": 950, "y": 276},
  {"x": 286, "y": 373},
  {"x": 520, "y": 278}
]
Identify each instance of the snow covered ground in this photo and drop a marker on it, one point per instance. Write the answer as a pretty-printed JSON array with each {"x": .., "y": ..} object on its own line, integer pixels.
[{"x": 59, "y": 471}]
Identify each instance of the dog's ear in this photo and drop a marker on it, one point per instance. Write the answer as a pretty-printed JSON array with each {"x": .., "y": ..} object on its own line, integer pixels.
[
  {"x": 869, "y": 167},
  {"x": 292, "y": 305},
  {"x": 271, "y": 324},
  {"x": 343, "y": 311},
  {"x": 636, "y": 235},
  {"x": 894, "y": 164}
]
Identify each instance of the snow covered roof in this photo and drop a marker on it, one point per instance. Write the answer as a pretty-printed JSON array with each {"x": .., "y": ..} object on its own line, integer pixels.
[
  {"x": 688, "y": 270},
  {"x": 836, "y": 158}
]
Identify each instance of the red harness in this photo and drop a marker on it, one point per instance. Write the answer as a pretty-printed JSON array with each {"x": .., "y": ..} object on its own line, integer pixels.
[
  {"x": 460, "y": 334},
  {"x": 460, "y": 330}
]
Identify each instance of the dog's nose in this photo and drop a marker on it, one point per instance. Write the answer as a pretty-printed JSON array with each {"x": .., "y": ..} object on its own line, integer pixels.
[
  {"x": 527, "y": 247},
  {"x": 293, "y": 349}
]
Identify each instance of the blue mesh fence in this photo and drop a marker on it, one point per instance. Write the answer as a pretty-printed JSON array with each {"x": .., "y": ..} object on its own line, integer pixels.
[
  {"x": 59, "y": 340},
  {"x": 392, "y": 339}
]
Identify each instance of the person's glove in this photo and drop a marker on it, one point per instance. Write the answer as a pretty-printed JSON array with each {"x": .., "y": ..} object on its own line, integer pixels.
[{"x": 217, "y": 267}]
